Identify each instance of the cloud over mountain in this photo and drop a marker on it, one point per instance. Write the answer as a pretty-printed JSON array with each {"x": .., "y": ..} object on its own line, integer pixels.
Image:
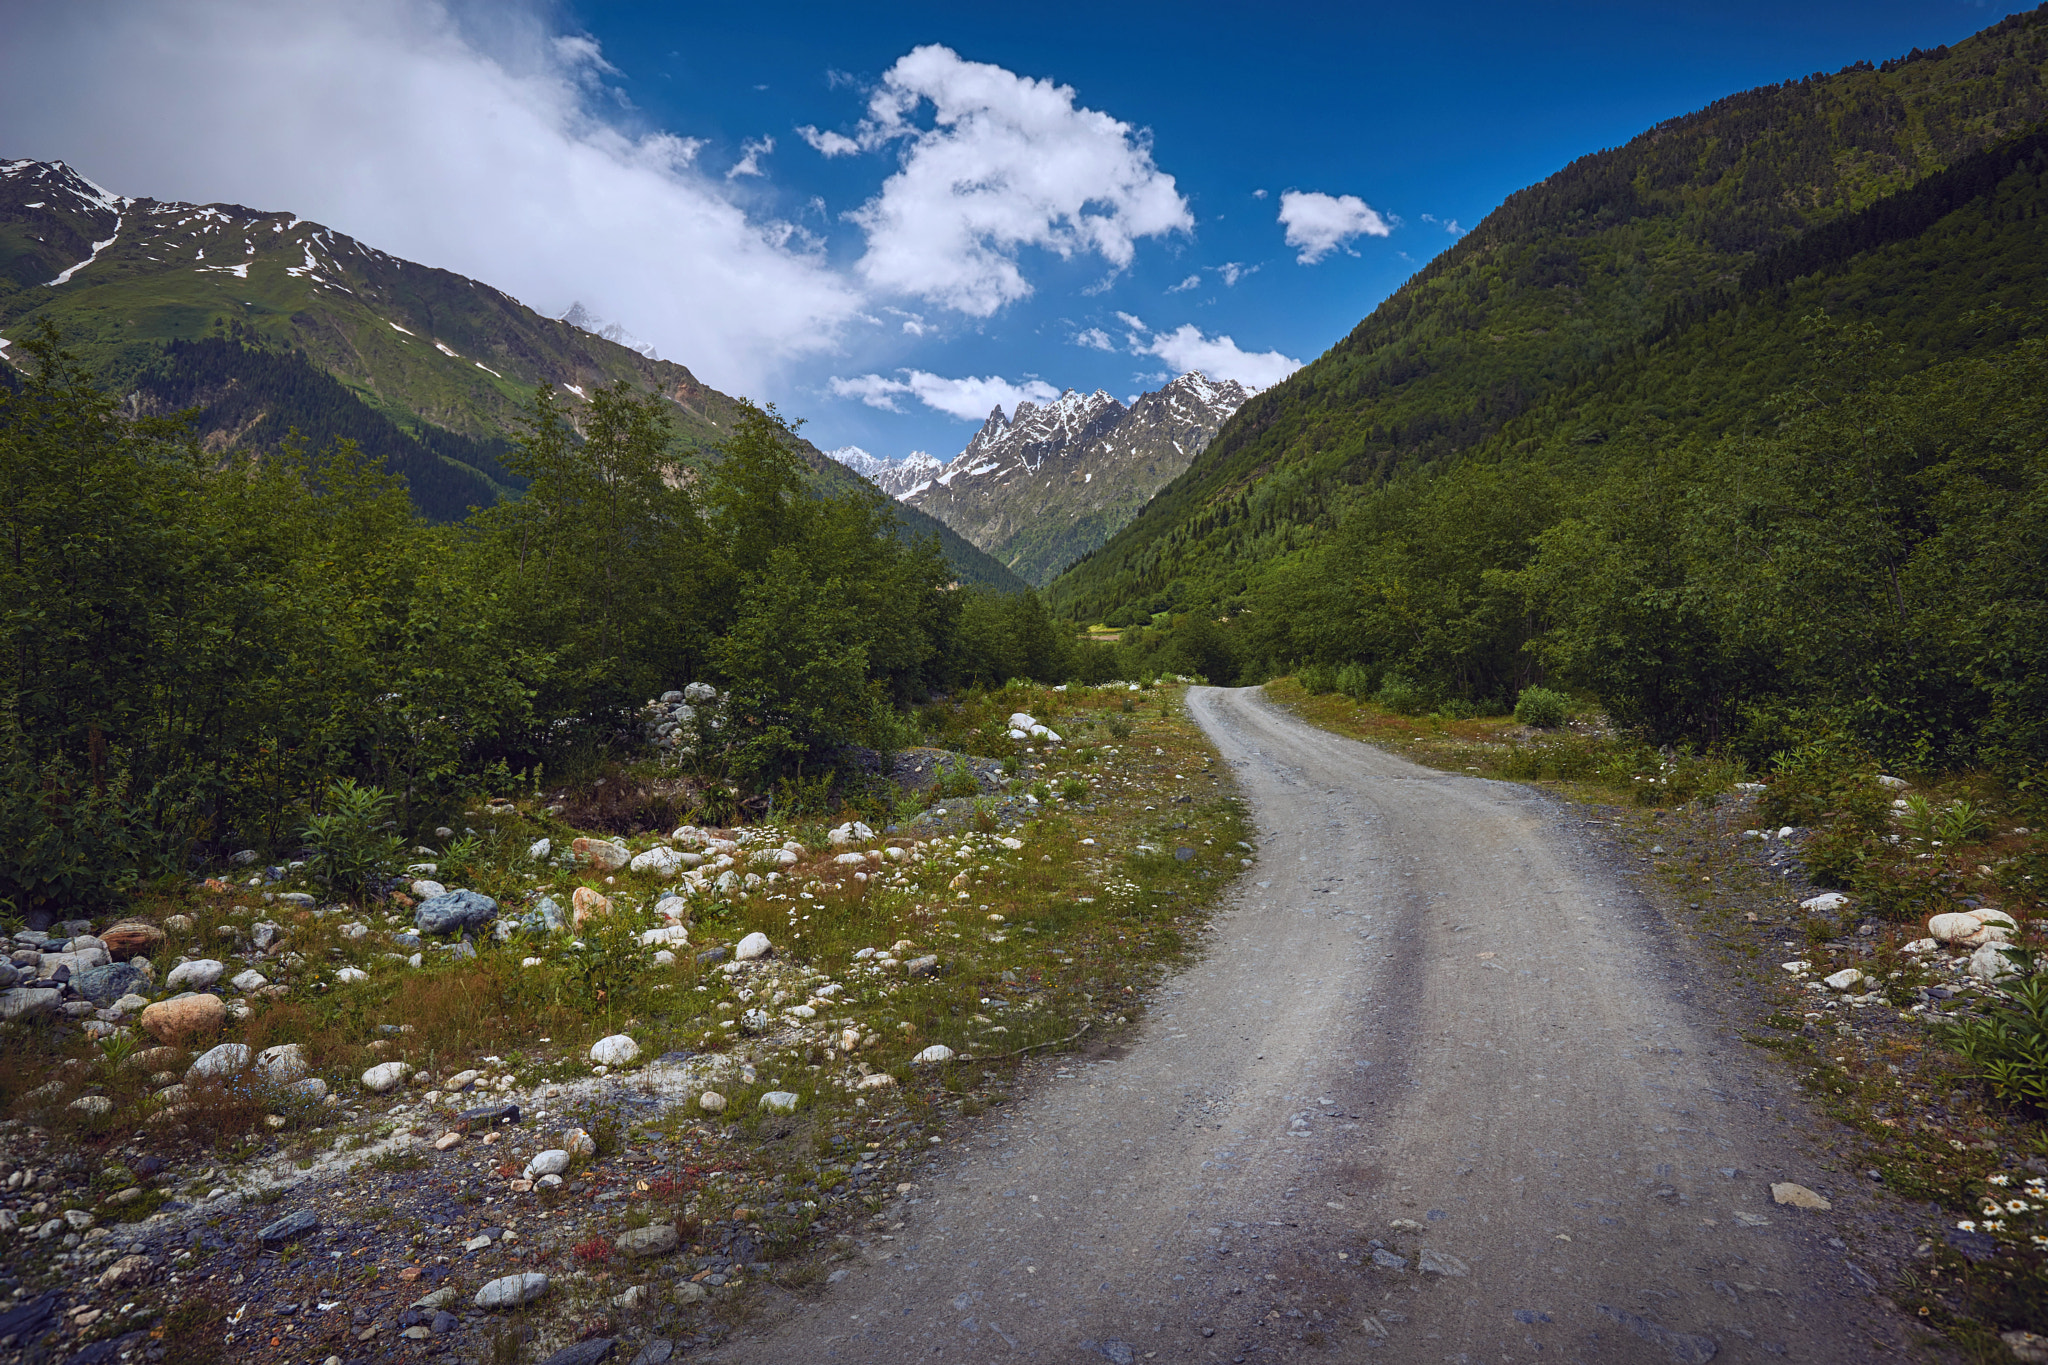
[{"x": 1317, "y": 224}]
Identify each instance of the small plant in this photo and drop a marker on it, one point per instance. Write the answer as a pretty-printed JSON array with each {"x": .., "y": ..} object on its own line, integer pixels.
[
  {"x": 1128, "y": 705},
  {"x": 1316, "y": 679},
  {"x": 1962, "y": 823},
  {"x": 2007, "y": 1047},
  {"x": 1354, "y": 682},
  {"x": 1073, "y": 789},
  {"x": 1541, "y": 708},
  {"x": 1401, "y": 696},
  {"x": 958, "y": 780},
  {"x": 1118, "y": 726},
  {"x": 351, "y": 842}
]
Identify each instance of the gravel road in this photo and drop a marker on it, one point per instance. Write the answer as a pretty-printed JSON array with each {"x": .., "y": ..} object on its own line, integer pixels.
[{"x": 1434, "y": 1093}]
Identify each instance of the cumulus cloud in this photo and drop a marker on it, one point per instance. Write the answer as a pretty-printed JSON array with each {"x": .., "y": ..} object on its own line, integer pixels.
[
  {"x": 502, "y": 154},
  {"x": 1318, "y": 224},
  {"x": 751, "y": 152},
  {"x": 1219, "y": 357},
  {"x": 1095, "y": 339},
  {"x": 1007, "y": 163},
  {"x": 1233, "y": 271},
  {"x": 969, "y": 399},
  {"x": 1191, "y": 282},
  {"x": 1449, "y": 225}
]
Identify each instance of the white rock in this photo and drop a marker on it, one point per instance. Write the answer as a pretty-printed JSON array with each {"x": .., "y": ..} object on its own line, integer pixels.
[
  {"x": 672, "y": 907},
  {"x": 1990, "y": 964},
  {"x": 1018, "y": 735},
  {"x": 663, "y": 862},
  {"x": 937, "y": 1052},
  {"x": 462, "y": 1080},
  {"x": 1897, "y": 784},
  {"x": 554, "y": 1161},
  {"x": 1012, "y": 844},
  {"x": 1920, "y": 945},
  {"x": 1954, "y": 926},
  {"x": 351, "y": 976},
  {"x": 711, "y": 1102},
  {"x": 674, "y": 935},
  {"x": 425, "y": 889},
  {"x": 1844, "y": 979},
  {"x": 800, "y": 1012},
  {"x": 224, "y": 1060},
  {"x": 312, "y": 1088},
  {"x": 664, "y": 958},
  {"x": 540, "y": 848},
  {"x": 282, "y": 1064},
  {"x": 386, "y": 1076},
  {"x": 617, "y": 1050},
  {"x": 511, "y": 1291},
  {"x": 877, "y": 1080},
  {"x": 249, "y": 980},
  {"x": 752, "y": 946},
  {"x": 1020, "y": 720},
  {"x": 851, "y": 859},
  {"x": 779, "y": 1102},
  {"x": 193, "y": 976},
  {"x": 1826, "y": 903},
  {"x": 1797, "y": 966},
  {"x": 579, "y": 1142}
]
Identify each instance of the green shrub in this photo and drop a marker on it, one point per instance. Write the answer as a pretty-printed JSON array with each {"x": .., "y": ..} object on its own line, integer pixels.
[
  {"x": 63, "y": 842},
  {"x": 1401, "y": 696},
  {"x": 1073, "y": 789},
  {"x": 958, "y": 780},
  {"x": 352, "y": 846},
  {"x": 1316, "y": 679},
  {"x": 1118, "y": 726},
  {"x": 1542, "y": 708},
  {"x": 1355, "y": 682},
  {"x": 2007, "y": 1047}
]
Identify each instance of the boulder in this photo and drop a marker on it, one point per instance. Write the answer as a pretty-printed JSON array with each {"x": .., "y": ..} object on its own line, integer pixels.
[
  {"x": 657, "y": 1239},
  {"x": 1826, "y": 903},
  {"x": 779, "y": 1102},
  {"x": 711, "y": 1102},
  {"x": 184, "y": 1018},
  {"x": 104, "y": 985},
  {"x": 1953, "y": 925},
  {"x": 586, "y": 903},
  {"x": 250, "y": 980},
  {"x": 617, "y": 1050},
  {"x": 453, "y": 911},
  {"x": 22, "y": 1005},
  {"x": 551, "y": 1162},
  {"x": 79, "y": 962},
  {"x": 385, "y": 1076},
  {"x": 937, "y": 1052},
  {"x": 602, "y": 854},
  {"x": 288, "y": 1229},
  {"x": 540, "y": 848},
  {"x": 752, "y": 946},
  {"x": 1989, "y": 964},
  {"x": 1798, "y": 1197},
  {"x": 224, "y": 1060},
  {"x": 282, "y": 1064},
  {"x": 1844, "y": 979},
  {"x": 196, "y": 975},
  {"x": 662, "y": 862},
  {"x": 132, "y": 938},
  {"x": 673, "y": 935},
  {"x": 512, "y": 1291}
]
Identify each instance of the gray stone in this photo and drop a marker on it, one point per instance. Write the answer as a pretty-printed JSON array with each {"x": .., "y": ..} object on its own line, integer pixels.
[
  {"x": 655, "y": 1352},
  {"x": 779, "y": 1102},
  {"x": 104, "y": 985},
  {"x": 582, "y": 1353},
  {"x": 688, "y": 1291},
  {"x": 616, "y": 1050},
  {"x": 193, "y": 976},
  {"x": 9, "y": 974},
  {"x": 385, "y": 1076},
  {"x": 21, "y": 1005},
  {"x": 1432, "y": 1262},
  {"x": 511, "y": 1291},
  {"x": 554, "y": 1161},
  {"x": 1682, "y": 1346},
  {"x": 657, "y": 1240},
  {"x": 223, "y": 1060},
  {"x": 454, "y": 911},
  {"x": 488, "y": 1115},
  {"x": 289, "y": 1228},
  {"x": 1387, "y": 1260}
]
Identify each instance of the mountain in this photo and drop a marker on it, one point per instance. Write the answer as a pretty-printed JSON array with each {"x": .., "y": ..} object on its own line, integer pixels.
[
  {"x": 1052, "y": 481},
  {"x": 1587, "y": 270},
  {"x": 894, "y": 477},
  {"x": 265, "y": 321}
]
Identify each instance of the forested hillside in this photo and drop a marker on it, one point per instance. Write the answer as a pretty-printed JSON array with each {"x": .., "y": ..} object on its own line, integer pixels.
[{"x": 1608, "y": 437}]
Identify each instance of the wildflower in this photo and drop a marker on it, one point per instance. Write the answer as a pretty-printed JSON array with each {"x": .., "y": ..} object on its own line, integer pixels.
[
  {"x": 2015, "y": 1206},
  {"x": 1997, "y": 1179},
  {"x": 1967, "y": 1224}
]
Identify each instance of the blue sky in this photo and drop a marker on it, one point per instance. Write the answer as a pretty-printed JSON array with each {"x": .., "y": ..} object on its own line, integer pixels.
[{"x": 962, "y": 203}]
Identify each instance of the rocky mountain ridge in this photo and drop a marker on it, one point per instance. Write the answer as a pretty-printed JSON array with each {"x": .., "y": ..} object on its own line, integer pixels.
[{"x": 1048, "y": 483}]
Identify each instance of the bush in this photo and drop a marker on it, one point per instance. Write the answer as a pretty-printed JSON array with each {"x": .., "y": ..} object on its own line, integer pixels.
[
  {"x": 352, "y": 849},
  {"x": 2007, "y": 1048},
  {"x": 1402, "y": 697},
  {"x": 1542, "y": 708},
  {"x": 64, "y": 844},
  {"x": 1316, "y": 679},
  {"x": 1355, "y": 682}
]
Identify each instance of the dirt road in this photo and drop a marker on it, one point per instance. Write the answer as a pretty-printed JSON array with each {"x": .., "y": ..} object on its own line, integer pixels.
[{"x": 1430, "y": 1018}]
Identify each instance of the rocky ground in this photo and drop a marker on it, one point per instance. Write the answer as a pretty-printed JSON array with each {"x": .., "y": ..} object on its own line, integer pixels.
[{"x": 594, "y": 1115}]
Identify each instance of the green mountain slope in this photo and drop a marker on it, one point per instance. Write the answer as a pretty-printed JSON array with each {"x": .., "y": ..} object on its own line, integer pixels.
[
  {"x": 265, "y": 322},
  {"x": 1566, "y": 277}
]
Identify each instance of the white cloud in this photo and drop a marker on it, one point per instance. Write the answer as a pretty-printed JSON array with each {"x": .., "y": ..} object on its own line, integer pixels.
[
  {"x": 827, "y": 142},
  {"x": 1233, "y": 271},
  {"x": 1095, "y": 339},
  {"x": 1191, "y": 282},
  {"x": 751, "y": 152},
  {"x": 1008, "y": 163},
  {"x": 969, "y": 399},
  {"x": 1186, "y": 348},
  {"x": 1320, "y": 223},
  {"x": 1258, "y": 194},
  {"x": 497, "y": 152}
]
